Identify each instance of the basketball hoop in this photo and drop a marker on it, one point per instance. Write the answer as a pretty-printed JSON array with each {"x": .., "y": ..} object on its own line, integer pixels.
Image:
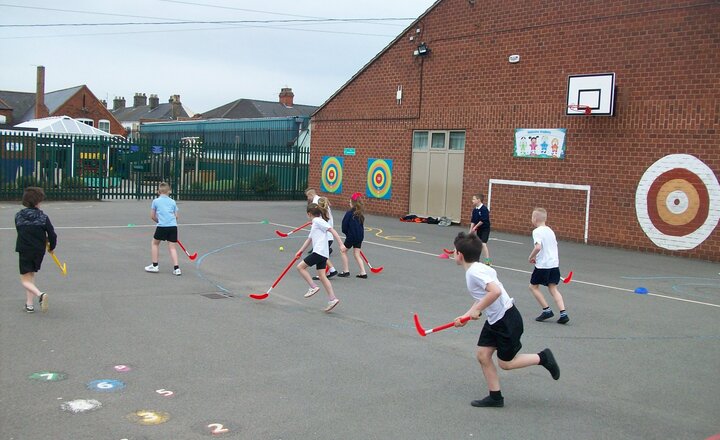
[{"x": 586, "y": 109}]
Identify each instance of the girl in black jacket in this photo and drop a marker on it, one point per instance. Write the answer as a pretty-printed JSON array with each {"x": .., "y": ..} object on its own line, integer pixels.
[{"x": 353, "y": 226}]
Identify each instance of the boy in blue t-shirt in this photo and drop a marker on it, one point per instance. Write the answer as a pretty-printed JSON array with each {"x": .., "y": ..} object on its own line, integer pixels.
[{"x": 164, "y": 213}]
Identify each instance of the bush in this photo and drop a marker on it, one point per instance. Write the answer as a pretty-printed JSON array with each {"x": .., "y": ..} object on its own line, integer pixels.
[
  {"x": 72, "y": 183},
  {"x": 23, "y": 182},
  {"x": 263, "y": 182}
]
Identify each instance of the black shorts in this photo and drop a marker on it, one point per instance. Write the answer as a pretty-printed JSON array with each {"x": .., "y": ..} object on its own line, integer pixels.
[
  {"x": 166, "y": 233},
  {"x": 483, "y": 234},
  {"x": 352, "y": 245},
  {"x": 316, "y": 260},
  {"x": 504, "y": 335},
  {"x": 545, "y": 276},
  {"x": 30, "y": 263}
]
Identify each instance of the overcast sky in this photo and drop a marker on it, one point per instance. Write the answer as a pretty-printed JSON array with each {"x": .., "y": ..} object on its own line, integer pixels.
[{"x": 208, "y": 64}]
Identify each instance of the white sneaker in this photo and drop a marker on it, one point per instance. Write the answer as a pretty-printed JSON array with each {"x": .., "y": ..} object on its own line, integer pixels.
[
  {"x": 312, "y": 291},
  {"x": 151, "y": 268},
  {"x": 177, "y": 272},
  {"x": 331, "y": 304}
]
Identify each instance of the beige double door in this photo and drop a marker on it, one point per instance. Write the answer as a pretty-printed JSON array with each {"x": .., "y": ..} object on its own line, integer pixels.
[{"x": 436, "y": 177}]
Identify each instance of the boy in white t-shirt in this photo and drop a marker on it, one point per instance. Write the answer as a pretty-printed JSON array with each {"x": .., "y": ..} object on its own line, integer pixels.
[
  {"x": 547, "y": 267},
  {"x": 504, "y": 325}
]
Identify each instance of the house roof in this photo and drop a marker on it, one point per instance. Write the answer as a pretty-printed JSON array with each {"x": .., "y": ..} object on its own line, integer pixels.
[
  {"x": 253, "y": 108},
  {"x": 62, "y": 124},
  {"x": 53, "y": 101},
  {"x": 161, "y": 112},
  {"x": 19, "y": 102}
]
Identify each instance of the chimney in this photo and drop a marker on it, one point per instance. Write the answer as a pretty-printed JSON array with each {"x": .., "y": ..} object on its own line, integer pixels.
[
  {"x": 140, "y": 100},
  {"x": 41, "y": 110},
  {"x": 104, "y": 103},
  {"x": 286, "y": 96},
  {"x": 154, "y": 102},
  {"x": 118, "y": 103},
  {"x": 176, "y": 105}
]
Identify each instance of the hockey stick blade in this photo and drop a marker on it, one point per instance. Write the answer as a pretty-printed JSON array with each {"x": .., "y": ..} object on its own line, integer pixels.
[
  {"x": 568, "y": 278},
  {"x": 376, "y": 269},
  {"x": 281, "y": 234},
  {"x": 424, "y": 332}
]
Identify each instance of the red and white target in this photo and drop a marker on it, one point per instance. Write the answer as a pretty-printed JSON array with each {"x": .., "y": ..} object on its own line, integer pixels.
[{"x": 678, "y": 202}]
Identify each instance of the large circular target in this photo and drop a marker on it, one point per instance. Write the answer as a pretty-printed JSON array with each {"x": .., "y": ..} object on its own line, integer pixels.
[
  {"x": 379, "y": 178},
  {"x": 677, "y": 202},
  {"x": 332, "y": 174}
]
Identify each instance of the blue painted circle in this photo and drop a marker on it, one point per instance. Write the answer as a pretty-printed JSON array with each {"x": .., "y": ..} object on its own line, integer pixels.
[{"x": 105, "y": 385}]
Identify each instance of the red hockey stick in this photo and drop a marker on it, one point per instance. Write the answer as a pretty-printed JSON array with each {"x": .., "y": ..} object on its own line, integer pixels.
[
  {"x": 283, "y": 234},
  {"x": 448, "y": 251},
  {"x": 568, "y": 278},
  {"x": 372, "y": 269},
  {"x": 265, "y": 295},
  {"x": 424, "y": 332},
  {"x": 191, "y": 257}
]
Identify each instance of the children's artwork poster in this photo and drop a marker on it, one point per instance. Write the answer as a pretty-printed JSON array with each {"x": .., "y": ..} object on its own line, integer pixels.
[
  {"x": 331, "y": 175},
  {"x": 379, "y": 178},
  {"x": 540, "y": 143}
]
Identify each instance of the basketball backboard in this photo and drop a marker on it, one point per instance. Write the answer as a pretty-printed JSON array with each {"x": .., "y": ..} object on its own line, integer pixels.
[{"x": 596, "y": 91}]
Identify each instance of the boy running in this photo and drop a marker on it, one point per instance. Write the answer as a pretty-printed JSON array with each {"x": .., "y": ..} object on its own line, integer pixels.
[{"x": 503, "y": 327}]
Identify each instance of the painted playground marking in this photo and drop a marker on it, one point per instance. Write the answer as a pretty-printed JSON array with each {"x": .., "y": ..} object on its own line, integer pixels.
[
  {"x": 48, "y": 376},
  {"x": 105, "y": 385},
  {"x": 148, "y": 417},
  {"x": 80, "y": 405}
]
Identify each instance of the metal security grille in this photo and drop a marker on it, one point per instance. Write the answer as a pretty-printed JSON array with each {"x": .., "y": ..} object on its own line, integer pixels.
[{"x": 87, "y": 168}]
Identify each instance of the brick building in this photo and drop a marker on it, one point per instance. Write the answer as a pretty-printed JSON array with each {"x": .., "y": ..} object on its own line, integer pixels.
[{"x": 642, "y": 179}]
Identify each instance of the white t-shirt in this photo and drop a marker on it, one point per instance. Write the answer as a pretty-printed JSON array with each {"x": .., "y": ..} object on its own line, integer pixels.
[
  {"x": 316, "y": 199},
  {"x": 477, "y": 277},
  {"x": 548, "y": 257},
  {"x": 318, "y": 235}
]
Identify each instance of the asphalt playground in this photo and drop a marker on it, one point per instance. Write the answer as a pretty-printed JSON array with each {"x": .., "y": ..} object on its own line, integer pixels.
[{"x": 124, "y": 354}]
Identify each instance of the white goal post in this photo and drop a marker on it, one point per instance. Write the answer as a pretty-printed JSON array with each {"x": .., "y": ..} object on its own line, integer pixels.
[{"x": 572, "y": 187}]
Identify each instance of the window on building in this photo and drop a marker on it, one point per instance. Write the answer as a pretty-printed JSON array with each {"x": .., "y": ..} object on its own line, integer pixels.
[
  {"x": 104, "y": 125},
  {"x": 457, "y": 140},
  {"x": 420, "y": 140},
  {"x": 439, "y": 140},
  {"x": 86, "y": 121}
]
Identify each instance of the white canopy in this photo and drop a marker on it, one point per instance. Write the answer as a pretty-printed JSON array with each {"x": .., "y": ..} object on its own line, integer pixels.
[{"x": 62, "y": 124}]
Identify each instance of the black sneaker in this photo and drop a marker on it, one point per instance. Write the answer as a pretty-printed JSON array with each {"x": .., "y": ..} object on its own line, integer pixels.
[
  {"x": 29, "y": 309},
  {"x": 488, "y": 402},
  {"x": 546, "y": 314},
  {"x": 344, "y": 274},
  {"x": 551, "y": 365},
  {"x": 315, "y": 277},
  {"x": 332, "y": 274},
  {"x": 363, "y": 275},
  {"x": 564, "y": 319}
]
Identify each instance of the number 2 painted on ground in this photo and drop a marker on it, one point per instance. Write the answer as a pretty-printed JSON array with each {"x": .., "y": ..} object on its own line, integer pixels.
[{"x": 217, "y": 428}]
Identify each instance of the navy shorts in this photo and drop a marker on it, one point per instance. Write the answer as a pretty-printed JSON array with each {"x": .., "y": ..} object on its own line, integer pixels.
[
  {"x": 545, "y": 276},
  {"x": 30, "y": 263},
  {"x": 166, "y": 233},
  {"x": 316, "y": 260},
  {"x": 352, "y": 245},
  {"x": 504, "y": 335},
  {"x": 483, "y": 234},
  {"x": 330, "y": 243}
]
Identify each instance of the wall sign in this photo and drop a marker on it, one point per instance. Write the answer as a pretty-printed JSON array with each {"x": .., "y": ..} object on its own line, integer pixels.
[
  {"x": 331, "y": 174},
  {"x": 379, "y": 178},
  {"x": 540, "y": 143}
]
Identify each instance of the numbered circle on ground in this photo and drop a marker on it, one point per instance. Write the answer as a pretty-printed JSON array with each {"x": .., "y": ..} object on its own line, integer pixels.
[
  {"x": 80, "y": 405},
  {"x": 122, "y": 368},
  {"x": 48, "y": 376},
  {"x": 148, "y": 417},
  {"x": 105, "y": 385},
  {"x": 379, "y": 178},
  {"x": 331, "y": 174},
  {"x": 677, "y": 202}
]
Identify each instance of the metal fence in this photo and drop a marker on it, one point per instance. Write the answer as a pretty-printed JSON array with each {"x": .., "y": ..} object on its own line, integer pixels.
[{"x": 90, "y": 168}]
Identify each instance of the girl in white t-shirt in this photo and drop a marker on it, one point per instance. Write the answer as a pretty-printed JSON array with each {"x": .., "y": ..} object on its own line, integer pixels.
[{"x": 320, "y": 253}]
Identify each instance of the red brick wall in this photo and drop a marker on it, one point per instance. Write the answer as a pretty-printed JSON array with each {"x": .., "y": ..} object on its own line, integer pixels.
[
  {"x": 665, "y": 54},
  {"x": 92, "y": 109}
]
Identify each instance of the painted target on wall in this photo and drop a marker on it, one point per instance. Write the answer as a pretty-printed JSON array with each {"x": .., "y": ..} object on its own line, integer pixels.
[
  {"x": 331, "y": 174},
  {"x": 678, "y": 202},
  {"x": 379, "y": 178}
]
